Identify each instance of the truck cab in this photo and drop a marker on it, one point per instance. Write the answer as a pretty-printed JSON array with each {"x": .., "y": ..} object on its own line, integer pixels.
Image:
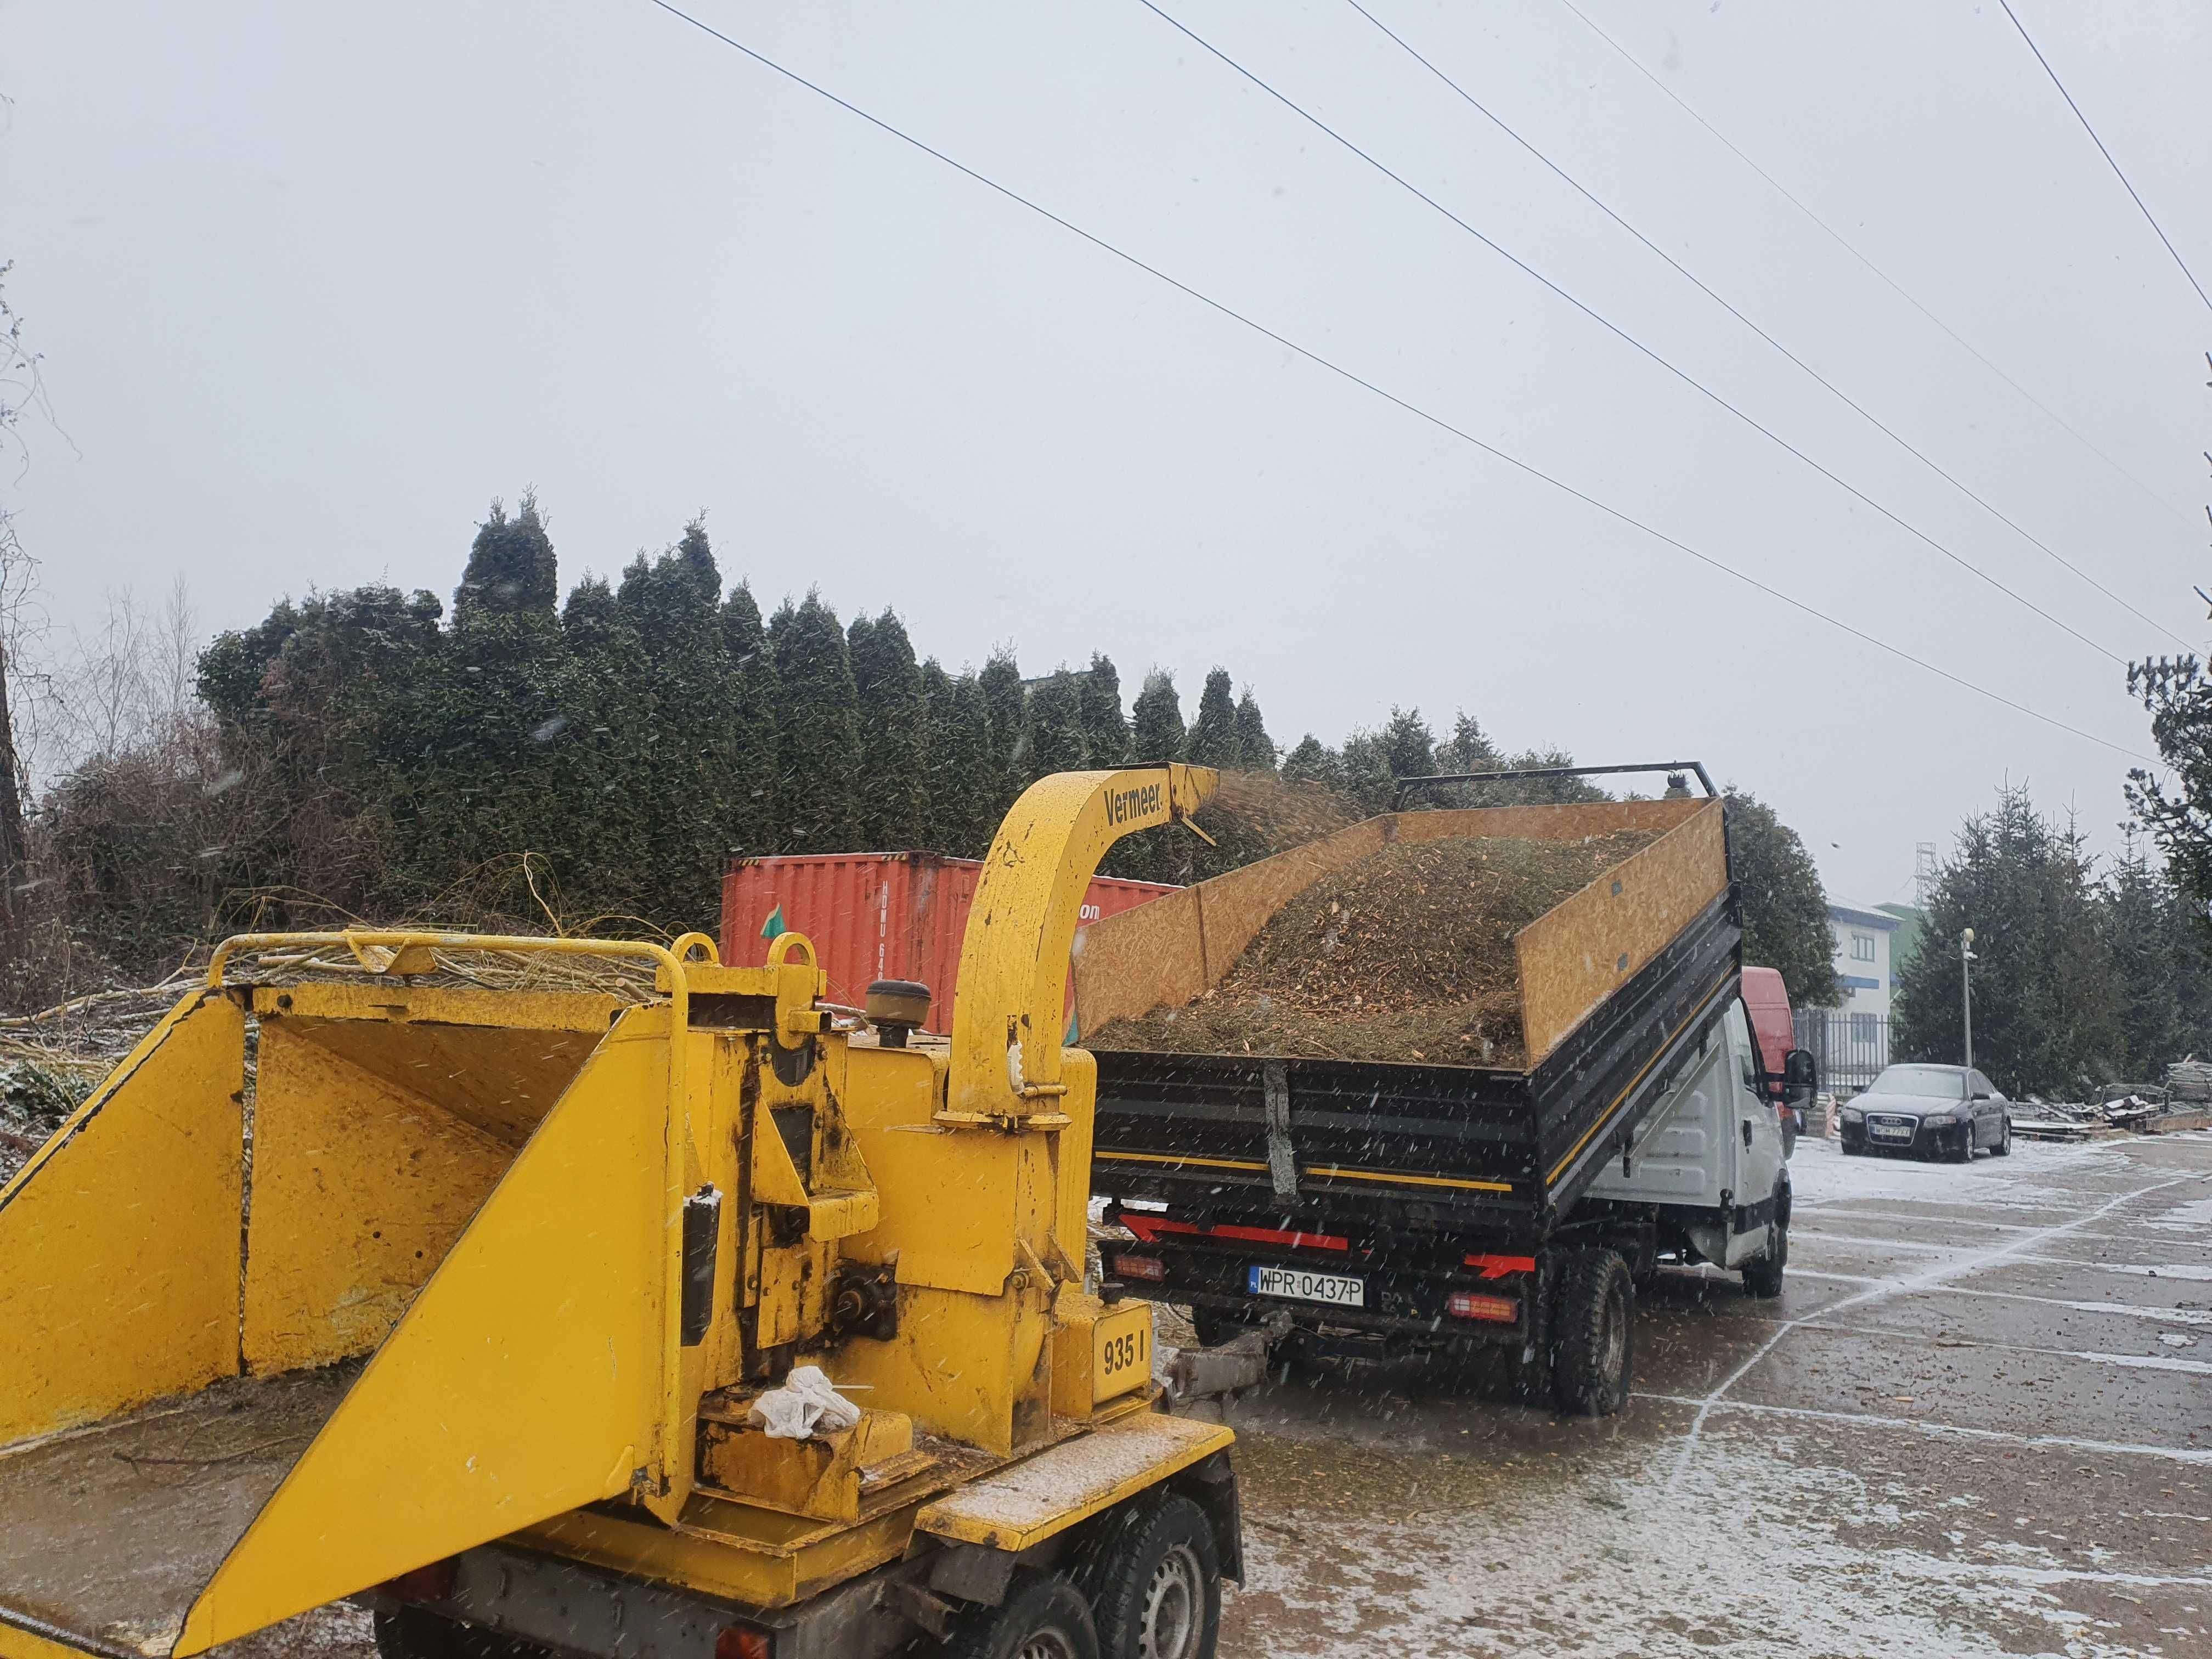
[{"x": 1710, "y": 1166}]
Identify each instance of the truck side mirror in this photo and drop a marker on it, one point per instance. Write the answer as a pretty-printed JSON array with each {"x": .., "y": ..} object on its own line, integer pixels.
[{"x": 1801, "y": 1076}]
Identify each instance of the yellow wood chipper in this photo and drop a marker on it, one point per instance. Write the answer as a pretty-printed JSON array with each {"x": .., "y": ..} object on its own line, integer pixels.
[{"x": 706, "y": 1323}]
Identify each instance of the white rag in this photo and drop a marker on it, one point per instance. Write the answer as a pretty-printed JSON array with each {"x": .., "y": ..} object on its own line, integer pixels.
[{"x": 807, "y": 1401}]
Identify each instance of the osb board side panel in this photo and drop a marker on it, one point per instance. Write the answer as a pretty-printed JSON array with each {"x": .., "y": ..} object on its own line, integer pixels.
[
  {"x": 1237, "y": 906},
  {"x": 1574, "y": 955},
  {"x": 1163, "y": 953},
  {"x": 1567, "y": 821},
  {"x": 1142, "y": 959}
]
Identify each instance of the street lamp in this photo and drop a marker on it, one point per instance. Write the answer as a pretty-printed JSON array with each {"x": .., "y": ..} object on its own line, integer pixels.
[{"x": 1966, "y": 988}]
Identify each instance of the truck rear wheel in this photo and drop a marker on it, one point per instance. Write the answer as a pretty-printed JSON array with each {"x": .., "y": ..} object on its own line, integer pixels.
[
  {"x": 1594, "y": 1328},
  {"x": 1044, "y": 1617},
  {"x": 1153, "y": 1575},
  {"x": 1214, "y": 1328}
]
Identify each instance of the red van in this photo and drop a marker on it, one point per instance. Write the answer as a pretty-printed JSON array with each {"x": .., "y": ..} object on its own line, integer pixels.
[{"x": 1766, "y": 1003}]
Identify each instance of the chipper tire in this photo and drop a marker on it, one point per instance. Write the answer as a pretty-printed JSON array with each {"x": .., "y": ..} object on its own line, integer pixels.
[
  {"x": 1044, "y": 1617},
  {"x": 411, "y": 1633},
  {"x": 1153, "y": 1574},
  {"x": 1594, "y": 1333}
]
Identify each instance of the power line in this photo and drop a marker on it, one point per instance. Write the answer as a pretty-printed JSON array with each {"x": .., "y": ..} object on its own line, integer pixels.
[
  {"x": 1614, "y": 328},
  {"x": 2102, "y": 151},
  {"x": 1389, "y": 396},
  {"x": 1690, "y": 276},
  {"x": 1897, "y": 287}
]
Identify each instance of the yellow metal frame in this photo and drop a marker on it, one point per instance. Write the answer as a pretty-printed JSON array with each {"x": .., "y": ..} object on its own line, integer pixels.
[
  {"x": 670, "y": 1478},
  {"x": 460, "y": 1191}
]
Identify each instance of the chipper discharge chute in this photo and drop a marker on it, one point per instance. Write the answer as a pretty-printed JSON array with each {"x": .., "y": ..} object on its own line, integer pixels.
[{"x": 483, "y": 1302}]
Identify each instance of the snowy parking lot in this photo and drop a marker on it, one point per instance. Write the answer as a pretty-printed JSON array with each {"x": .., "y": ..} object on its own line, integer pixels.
[{"x": 1978, "y": 1421}]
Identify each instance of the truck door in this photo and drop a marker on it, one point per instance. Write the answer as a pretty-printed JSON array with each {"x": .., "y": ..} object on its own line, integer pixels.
[{"x": 1757, "y": 1143}]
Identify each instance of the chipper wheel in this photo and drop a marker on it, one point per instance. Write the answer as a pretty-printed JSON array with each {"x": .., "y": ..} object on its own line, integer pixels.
[
  {"x": 1593, "y": 1333},
  {"x": 1044, "y": 1617},
  {"x": 411, "y": 1633},
  {"x": 1153, "y": 1574}
]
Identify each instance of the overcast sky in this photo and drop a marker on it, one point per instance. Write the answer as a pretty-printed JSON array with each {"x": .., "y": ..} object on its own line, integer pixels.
[{"x": 315, "y": 283}]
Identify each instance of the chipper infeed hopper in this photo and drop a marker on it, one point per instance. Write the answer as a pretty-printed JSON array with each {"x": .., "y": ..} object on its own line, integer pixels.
[{"x": 340, "y": 1276}]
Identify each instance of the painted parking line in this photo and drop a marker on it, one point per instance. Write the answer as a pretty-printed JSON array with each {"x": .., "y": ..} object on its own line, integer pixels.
[
  {"x": 1936, "y": 1275},
  {"x": 2140, "y": 1362},
  {"x": 2163, "y": 1316},
  {"x": 2192, "y": 1454}
]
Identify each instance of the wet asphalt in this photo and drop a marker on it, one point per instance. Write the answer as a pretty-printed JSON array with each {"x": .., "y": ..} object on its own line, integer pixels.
[{"x": 1977, "y": 1421}]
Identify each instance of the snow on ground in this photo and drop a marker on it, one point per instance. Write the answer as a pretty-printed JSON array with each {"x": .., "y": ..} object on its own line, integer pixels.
[
  {"x": 1759, "y": 1554},
  {"x": 1820, "y": 1174}
]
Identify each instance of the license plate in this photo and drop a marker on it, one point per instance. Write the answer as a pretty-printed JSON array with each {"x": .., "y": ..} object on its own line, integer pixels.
[
  {"x": 1297, "y": 1283},
  {"x": 1890, "y": 1131}
]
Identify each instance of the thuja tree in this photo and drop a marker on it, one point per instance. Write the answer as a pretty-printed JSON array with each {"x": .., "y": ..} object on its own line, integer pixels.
[
  {"x": 818, "y": 728},
  {"x": 752, "y": 801},
  {"x": 891, "y": 806}
]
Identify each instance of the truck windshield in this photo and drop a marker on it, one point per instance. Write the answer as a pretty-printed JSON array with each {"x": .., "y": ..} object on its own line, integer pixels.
[{"x": 1936, "y": 1082}]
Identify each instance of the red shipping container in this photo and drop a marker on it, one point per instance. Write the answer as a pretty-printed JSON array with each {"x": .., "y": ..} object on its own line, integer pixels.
[{"x": 878, "y": 915}]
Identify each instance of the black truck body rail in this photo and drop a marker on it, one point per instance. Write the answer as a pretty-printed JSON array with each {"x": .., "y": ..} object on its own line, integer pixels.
[{"x": 1371, "y": 1147}]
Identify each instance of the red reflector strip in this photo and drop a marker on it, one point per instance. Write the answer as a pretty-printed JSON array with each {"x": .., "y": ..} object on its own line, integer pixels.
[
  {"x": 1465, "y": 1304},
  {"x": 1140, "y": 1267},
  {"x": 1148, "y": 1229},
  {"x": 1497, "y": 1266}
]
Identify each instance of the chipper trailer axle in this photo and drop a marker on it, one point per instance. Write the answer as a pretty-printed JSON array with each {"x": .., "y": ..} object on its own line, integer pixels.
[{"x": 480, "y": 1304}]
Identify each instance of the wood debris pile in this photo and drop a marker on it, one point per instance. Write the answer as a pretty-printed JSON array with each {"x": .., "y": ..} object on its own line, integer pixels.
[{"x": 1406, "y": 955}]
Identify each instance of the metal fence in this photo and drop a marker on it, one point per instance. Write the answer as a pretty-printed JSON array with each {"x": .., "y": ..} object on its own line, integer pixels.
[{"x": 1851, "y": 1048}]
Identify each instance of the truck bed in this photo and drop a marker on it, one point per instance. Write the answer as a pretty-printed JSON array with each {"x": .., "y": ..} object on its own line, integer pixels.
[{"x": 1350, "y": 1143}]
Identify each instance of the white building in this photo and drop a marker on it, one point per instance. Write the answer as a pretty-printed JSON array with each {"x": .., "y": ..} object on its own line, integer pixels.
[{"x": 1863, "y": 960}]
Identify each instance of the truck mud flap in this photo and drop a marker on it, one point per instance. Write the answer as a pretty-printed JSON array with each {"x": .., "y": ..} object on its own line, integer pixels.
[{"x": 267, "y": 1350}]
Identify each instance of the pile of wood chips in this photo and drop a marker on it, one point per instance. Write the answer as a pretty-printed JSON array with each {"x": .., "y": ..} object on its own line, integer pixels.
[{"x": 1406, "y": 955}]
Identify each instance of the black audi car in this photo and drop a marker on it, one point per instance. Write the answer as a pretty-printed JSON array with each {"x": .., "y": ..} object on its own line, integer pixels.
[{"x": 1931, "y": 1111}]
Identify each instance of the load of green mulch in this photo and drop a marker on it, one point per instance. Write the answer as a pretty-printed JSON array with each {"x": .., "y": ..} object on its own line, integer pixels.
[{"x": 1406, "y": 955}]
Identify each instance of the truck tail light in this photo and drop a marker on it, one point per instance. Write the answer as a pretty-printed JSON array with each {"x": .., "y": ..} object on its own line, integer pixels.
[
  {"x": 1498, "y": 1310},
  {"x": 1140, "y": 1267},
  {"x": 738, "y": 1642}
]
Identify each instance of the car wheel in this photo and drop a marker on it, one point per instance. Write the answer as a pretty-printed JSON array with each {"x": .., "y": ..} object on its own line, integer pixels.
[
  {"x": 2005, "y": 1140},
  {"x": 1964, "y": 1152}
]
